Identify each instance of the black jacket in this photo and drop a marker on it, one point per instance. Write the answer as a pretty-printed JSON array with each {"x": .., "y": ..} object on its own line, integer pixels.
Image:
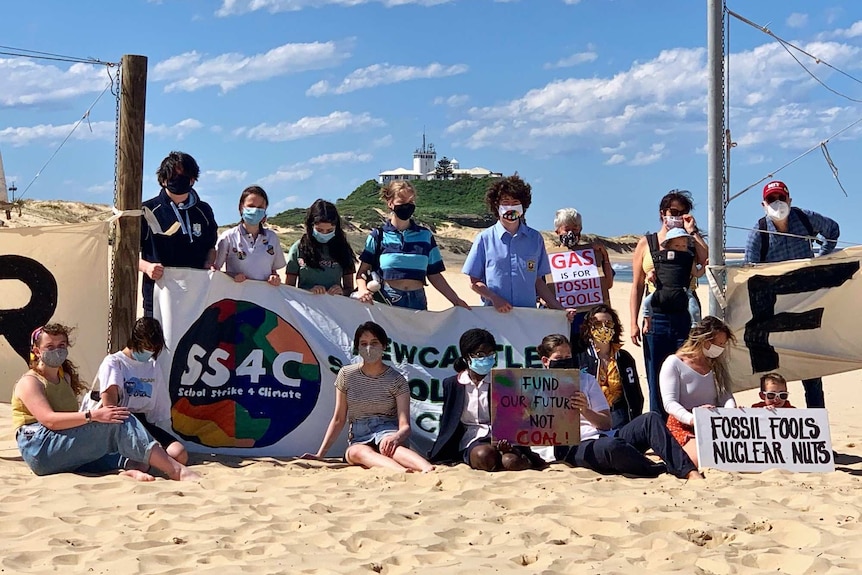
[
  {"x": 451, "y": 430},
  {"x": 631, "y": 404}
]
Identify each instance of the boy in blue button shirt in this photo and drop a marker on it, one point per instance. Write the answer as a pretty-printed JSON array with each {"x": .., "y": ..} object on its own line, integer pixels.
[{"x": 507, "y": 263}]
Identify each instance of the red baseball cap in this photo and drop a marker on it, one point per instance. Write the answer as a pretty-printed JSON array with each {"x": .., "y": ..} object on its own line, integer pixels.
[{"x": 775, "y": 186}]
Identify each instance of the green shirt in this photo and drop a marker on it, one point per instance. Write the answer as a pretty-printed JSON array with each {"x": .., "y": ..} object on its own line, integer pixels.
[{"x": 327, "y": 275}]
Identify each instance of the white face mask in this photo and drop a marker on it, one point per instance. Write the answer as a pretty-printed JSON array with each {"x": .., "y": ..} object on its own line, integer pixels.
[
  {"x": 671, "y": 222},
  {"x": 713, "y": 351},
  {"x": 777, "y": 211},
  {"x": 511, "y": 213}
]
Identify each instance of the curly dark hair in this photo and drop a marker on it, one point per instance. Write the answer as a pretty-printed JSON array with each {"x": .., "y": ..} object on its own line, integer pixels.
[
  {"x": 589, "y": 321},
  {"x": 512, "y": 186},
  {"x": 169, "y": 166},
  {"x": 681, "y": 196}
]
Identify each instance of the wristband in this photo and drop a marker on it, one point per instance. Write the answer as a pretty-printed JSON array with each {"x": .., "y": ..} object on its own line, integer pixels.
[{"x": 88, "y": 417}]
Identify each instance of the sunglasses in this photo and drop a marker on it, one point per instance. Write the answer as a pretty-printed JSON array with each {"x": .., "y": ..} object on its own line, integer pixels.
[
  {"x": 676, "y": 213},
  {"x": 776, "y": 198},
  {"x": 771, "y": 395},
  {"x": 480, "y": 355},
  {"x": 609, "y": 324}
]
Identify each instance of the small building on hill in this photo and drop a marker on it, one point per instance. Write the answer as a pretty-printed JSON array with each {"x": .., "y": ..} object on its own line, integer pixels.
[{"x": 426, "y": 167}]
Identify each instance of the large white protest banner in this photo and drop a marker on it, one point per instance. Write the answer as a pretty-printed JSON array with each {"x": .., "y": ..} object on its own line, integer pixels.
[
  {"x": 800, "y": 318},
  {"x": 251, "y": 367},
  {"x": 749, "y": 439},
  {"x": 57, "y": 274}
]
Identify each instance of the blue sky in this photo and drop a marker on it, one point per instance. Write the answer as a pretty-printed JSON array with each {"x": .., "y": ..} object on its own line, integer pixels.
[{"x": 600, "y": 104}]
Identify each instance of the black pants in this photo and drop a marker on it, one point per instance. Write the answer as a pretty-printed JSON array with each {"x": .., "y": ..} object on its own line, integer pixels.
[{"x": 624, "y": 453}]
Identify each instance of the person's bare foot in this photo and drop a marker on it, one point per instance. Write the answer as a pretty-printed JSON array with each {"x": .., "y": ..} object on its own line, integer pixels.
[
  {"x": 137, "y": 475},
  {"x": 187, "y": 474},
  {"x": 695, "y": 474}
]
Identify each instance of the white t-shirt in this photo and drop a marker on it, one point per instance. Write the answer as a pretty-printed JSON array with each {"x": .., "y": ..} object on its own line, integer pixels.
[
  {"x": 597, "y": 402},
  {"x": 476, "y": 415},
  {"x": 255, "y": 258},
  {"x": 683, "y": 389},
  {"x": 141, "y": 386}
]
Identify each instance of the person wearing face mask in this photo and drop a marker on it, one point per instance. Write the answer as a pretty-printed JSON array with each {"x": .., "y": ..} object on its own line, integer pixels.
[
  {"x": 373, "y": 398},
  {"x": 619, "y": 450},
  {"x": 250, "y": 250},
  {"x": 132, "y": 379},
  {"x": 178, "y": 229},
  {"x": 696, "y": 376},
  {"x": 665, "y": 330},
  {"x": 786, "y": 233},
  {"x": 404, "y": 254},
  {"x": 465, "y": 422},
  {"x": 613, "y": 367},
  {"x": 322, "y": 261},
  {"x": 507, "y": 263},
  {"x": 55, "y": 437}
]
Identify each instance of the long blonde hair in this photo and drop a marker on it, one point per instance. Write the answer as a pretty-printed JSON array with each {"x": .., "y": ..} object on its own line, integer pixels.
[
  {"x": 68, "y": 369},
  {"x": 705, "y": 331}
]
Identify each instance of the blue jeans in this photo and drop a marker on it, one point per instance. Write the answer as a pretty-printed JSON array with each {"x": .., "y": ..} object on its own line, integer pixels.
[
  {"x": 814, "y": 392},
  {"x": 667, "y": 332},
  {"x": 94, "y": 447},
  {"x": 624, "y": 453},
  {"x": 371, "y": 429},
  {"x": 413, "y": 299}
]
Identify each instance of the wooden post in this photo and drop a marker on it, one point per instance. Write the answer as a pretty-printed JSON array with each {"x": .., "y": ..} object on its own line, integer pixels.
[{"x": 130, "y": 179}]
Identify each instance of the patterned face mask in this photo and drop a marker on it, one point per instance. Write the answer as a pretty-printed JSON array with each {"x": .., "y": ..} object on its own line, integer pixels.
[{"x": 602, "y": 334}]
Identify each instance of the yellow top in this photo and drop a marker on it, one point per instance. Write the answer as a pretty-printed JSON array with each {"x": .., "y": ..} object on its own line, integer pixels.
[
  {"x": 608, "y": 376},
  {"x": 60, "y": 398}
]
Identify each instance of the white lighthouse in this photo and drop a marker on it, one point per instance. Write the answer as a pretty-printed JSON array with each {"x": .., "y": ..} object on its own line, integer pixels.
[{"x": 424, "y": 159}]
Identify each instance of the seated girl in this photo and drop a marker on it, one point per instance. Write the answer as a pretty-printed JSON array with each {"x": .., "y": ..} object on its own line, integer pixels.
[
  {"x": 375, "y": 400},
  {"x": 54, "y": 437},
  {"x": 131, "y": 378},
  {"x": 465, "y": 423}
]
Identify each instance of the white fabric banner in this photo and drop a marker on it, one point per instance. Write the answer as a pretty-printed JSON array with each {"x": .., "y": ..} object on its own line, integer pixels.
[
  {"x": 53, "y": 274},
  {"x": 252, "y": 367},
  {"x": 798, "y": 318}
]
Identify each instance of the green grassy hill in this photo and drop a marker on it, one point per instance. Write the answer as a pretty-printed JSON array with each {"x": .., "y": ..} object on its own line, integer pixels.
[{"x": 460, "y": 201}]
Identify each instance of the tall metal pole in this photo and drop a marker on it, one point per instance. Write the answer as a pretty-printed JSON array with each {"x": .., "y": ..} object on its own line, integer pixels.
[
  {"x": 715, "y": 143},
  {"x": 130, "y": 179}
]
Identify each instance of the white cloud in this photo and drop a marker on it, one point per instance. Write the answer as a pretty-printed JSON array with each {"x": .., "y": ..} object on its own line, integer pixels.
[
  {"x": 224, "y": 176},
  {"x": 452, "y": 101},
  {"x": 380, "y": 74},
  {"x": 51, "y": 134},
  {"x": 797, "y": 20},
  {"x": 341, "y": 158},
  {"x": 773, "y": 99},
  {"x": 572, "y": 2},
  {"x": 286, "y": 175},
  {"x": 645, "y": 158},
  {"x": 573, "y": 60},
  {"x": 852, "y": 32},
  {"x": 615, "y": 159},
  {"x": 235, "y": 7},
  {"x": 311, "y": 126},
  {"x": 29, "y": 83},
  {"x": 192, "y": 71},
  {"x": 103, "y": 188},
  {"x": 178, "y": 131},
  {"x": 383, "y": 141}
]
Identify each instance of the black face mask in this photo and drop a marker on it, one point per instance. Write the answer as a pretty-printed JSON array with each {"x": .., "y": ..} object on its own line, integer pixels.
[
  {"x": 179, "y": 184},
  {"x": 404, "y": 211},
  {"x": 568, "y": 363},
  {"x": 569, "y": 239}
]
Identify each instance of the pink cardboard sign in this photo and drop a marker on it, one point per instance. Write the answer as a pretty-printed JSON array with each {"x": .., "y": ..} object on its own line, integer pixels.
[{"x": 534, "y": 406}]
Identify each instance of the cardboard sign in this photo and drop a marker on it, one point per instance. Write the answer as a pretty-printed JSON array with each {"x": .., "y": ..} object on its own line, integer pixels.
[
  {"x": 534, "y": 406},
  {"x": 577, "y": 279},
  {"x": 749, "y": 439}
]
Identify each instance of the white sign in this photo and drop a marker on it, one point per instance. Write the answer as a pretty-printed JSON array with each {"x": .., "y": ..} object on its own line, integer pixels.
[
  {"x": 251, "y": 367},
  {"x": 577, "y": 280},
  {"x": 757, "y": 439}
]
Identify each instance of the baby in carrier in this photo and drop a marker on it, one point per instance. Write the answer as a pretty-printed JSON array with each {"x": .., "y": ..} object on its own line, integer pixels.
[{"x": 675, "y": 265}]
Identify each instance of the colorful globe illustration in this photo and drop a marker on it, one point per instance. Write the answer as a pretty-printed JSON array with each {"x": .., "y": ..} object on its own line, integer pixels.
[{"x": 241, "y": 377}]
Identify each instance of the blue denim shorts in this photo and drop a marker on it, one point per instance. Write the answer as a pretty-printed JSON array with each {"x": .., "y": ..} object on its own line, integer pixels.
[
  {"x": 371, "y": 429},
  {"x": 413, "y": 299}
]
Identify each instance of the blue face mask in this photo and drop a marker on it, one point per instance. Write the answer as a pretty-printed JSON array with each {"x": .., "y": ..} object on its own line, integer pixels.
[
  {"x": 253, "y": 216},
  {"x": 143, "y": 356},
  {"x": 483, "y": 365},
  {"x": 322, "y": 238}
]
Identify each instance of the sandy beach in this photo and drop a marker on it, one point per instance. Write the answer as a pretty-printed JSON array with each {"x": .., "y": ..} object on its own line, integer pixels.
[{"x": 293, "y": 516}]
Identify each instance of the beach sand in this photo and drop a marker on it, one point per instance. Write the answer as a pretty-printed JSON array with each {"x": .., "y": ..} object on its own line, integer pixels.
[{"x": 293, "y": 516}]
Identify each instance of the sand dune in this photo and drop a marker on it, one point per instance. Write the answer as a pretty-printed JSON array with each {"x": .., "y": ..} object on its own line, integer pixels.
[{"x": 278, "y": 516}]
